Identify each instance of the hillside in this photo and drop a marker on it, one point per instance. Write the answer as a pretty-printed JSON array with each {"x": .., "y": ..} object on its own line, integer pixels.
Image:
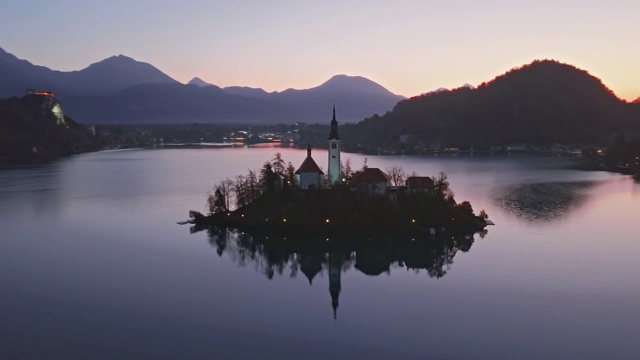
[
  {"x": 544, "y": 102},
  {"x": 33, "y": 129}
]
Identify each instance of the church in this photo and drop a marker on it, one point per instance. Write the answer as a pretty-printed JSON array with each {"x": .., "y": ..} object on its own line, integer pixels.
[{"x": 309, "y": 175}]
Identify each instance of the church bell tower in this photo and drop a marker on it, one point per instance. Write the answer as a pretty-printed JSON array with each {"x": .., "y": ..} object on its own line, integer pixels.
[{"x": 334, "y": 150}]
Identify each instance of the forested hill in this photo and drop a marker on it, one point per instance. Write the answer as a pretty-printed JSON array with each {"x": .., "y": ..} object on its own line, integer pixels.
[
  {"x": 544, "y": 102},
  {"x": 33, "y": 129}
]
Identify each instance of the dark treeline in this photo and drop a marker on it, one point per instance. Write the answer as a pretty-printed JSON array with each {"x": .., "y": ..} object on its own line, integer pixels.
[
  {"x": 623, "y": 152},
  {"x": 542, "y": 103}
]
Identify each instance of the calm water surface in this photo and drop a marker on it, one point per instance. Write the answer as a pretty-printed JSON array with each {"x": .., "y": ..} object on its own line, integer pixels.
[{"x": 93, "y": 265}]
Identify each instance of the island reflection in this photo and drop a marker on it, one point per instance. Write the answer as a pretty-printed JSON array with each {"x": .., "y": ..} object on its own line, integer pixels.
[
  {"x": 283, "y": 256},
  {"x": 542, "y": 202}
]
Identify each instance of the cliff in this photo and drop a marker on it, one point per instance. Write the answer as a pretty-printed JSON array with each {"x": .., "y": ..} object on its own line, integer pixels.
[{"x": 33, "y": 129}]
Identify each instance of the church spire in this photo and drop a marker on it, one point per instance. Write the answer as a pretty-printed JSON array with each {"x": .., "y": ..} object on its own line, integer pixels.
[
  {"x": 309, "y": 150},
  {"x": 334, "y": 126}
]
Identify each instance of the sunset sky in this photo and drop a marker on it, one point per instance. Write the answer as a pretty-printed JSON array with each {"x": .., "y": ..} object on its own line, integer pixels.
[{"x": 409, "y": 46}]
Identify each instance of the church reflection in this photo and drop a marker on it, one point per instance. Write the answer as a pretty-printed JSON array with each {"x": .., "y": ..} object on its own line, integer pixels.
[{"x": 283, "y": 256}]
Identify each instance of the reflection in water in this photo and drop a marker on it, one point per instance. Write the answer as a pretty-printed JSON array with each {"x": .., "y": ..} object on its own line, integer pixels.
[
  {"x": 272, "y": 256},
  {"x": 35, "y": 188},
  {"x": 542, "y": 201}
]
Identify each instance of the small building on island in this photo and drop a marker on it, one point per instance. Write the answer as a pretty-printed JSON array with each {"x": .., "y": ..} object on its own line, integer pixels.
[
  {"x": 372, "y": 181},
  {"x": 419, "y": 183},
  {"x": 309, "y": 174}
]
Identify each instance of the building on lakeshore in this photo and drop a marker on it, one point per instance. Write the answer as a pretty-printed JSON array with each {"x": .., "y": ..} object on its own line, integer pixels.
[{"x": 334, "y": 150}]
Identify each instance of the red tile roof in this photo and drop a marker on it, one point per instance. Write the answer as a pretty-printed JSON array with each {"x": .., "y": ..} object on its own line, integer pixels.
[
  {"x": 309, "y": 165},
  {"x": 371, "y": 175},
  {"x": 419, "y": 182}
]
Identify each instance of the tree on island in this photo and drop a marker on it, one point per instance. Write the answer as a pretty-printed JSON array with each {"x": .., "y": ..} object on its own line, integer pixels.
[
  {"x": 217, "y": 202},
  {"x": 268, "y": 178},
  {"x": 242, "y": 190},
  {"x": 397, "y": 175},
  {"x": 346, "y": 172}
]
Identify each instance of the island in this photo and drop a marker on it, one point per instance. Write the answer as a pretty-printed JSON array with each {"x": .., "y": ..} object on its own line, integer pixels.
[{"x": 368, "y": 203}]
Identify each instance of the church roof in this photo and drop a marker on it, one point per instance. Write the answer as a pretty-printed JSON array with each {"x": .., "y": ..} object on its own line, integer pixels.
[
  {"x": 309, "y": 165},
  {"x": 371, "y": 175}
]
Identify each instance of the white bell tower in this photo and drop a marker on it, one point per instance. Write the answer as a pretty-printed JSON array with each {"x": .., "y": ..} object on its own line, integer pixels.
[{"x": 334, "y": 150}]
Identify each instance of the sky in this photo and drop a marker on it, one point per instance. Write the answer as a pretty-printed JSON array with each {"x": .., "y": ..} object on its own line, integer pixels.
[{"x": 408, "y": 46}]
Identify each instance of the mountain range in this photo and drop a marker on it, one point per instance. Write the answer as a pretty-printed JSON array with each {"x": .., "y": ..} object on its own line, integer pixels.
[{"x": 122, "y": 90}]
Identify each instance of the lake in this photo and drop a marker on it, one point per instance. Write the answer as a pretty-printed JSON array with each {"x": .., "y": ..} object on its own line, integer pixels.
[{"x": 94, "y": 266}]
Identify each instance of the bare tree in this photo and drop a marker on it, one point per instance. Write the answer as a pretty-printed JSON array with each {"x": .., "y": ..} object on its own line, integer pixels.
[
  {"x": 219, "y": 197},
  {"x": 226, "y": 188},
  {"x": 397, "y": 175},
  {"x": 254, "y": 186},
  {"x": 278, "y": 165},
  {"x": 211, "y": 202},
  {"x": 346, "y": 170},
  {"x": 441, "y": 187},
  {"x": 241, "y": 190}
]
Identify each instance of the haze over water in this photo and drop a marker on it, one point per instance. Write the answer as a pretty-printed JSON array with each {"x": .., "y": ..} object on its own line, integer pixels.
[{"x": 93, "y": 265}]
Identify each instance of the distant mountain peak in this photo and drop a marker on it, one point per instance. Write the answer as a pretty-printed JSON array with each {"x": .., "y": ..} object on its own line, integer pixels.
[
  {"x": 636, "y": 101},
  {"x": 198, "y": 82},
  {"x": 121, "y": 57},
  {"x": 117, "y": 73},
  {"x": 345, "y": 76},
  {"x": 120, "y": 61},
  {"x": 350, "y": 83},
  {"x": 341, "y": 79}
]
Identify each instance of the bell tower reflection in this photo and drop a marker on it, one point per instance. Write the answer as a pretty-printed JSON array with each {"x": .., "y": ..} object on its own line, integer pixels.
[{"x": 335, "y": 268}]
